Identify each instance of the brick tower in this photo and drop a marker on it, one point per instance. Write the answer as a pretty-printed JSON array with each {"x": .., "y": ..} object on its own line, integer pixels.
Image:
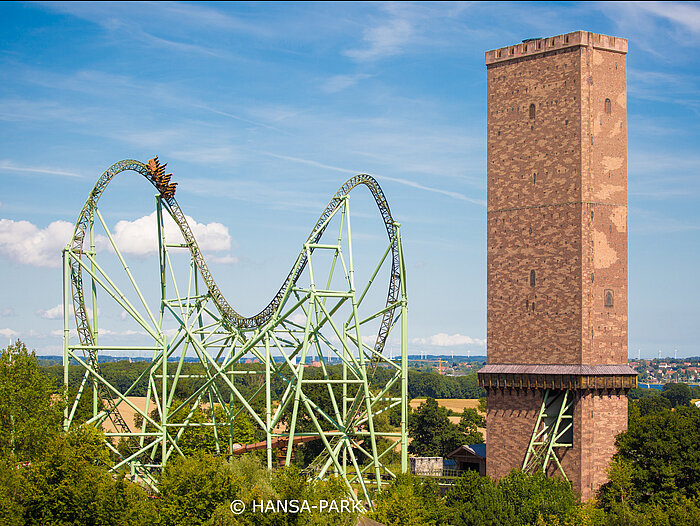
[{"x": 557, "y": 373}]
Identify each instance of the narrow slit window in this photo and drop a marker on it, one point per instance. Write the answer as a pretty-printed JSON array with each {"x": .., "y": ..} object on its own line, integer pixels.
[
  {"x": 532, "y": 111},
  {"x": 609, "y": 299},
  {"x": 532, "y": 278},
  {"x": 608, "y": 106}
]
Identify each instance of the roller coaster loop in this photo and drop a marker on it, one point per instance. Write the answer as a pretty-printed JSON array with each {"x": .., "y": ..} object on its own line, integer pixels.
[{"x": 258, "y": 370}]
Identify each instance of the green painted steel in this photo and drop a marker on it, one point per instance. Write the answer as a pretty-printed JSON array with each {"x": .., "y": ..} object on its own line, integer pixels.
[
  {"x": 552, "y": 431},
  {"x": 319, "y": 309}
]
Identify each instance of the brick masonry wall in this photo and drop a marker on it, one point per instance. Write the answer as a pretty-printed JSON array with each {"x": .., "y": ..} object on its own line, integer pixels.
[
  {"x": 557, "y": 204},
  {"x": 604, "y": 219},
  {"x": 599, "y": 419},
  {"x": 541, "y": 323},
  {"x": 510, "y": 419},
  {"x": 533, "y": 224}
]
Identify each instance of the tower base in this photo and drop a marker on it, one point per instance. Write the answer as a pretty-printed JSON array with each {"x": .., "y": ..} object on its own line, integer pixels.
[{"x": 514, "y": 419}]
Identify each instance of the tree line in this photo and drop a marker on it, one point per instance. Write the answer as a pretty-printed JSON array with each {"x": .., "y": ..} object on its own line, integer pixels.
[{"x": 52, "y": 477}]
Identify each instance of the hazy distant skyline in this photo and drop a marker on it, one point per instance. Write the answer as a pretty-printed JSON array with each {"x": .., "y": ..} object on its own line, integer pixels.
[{"x": 264, "y": 109}]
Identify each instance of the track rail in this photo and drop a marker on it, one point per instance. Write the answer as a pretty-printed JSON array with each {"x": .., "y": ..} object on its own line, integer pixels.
[{"x": 154, "y": 173}]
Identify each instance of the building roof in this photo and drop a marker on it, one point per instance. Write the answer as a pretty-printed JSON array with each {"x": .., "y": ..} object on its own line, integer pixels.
[
  {"x": 588, "y": 370},
  {"x": 478, "y": 450}
]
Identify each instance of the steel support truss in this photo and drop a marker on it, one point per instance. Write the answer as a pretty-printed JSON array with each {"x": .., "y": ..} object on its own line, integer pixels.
[
  {"x": 553, "y": 431},
  {"x": 320, "y": 310}
]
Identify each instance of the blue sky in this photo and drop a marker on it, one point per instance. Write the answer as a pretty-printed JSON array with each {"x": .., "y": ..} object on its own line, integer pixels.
[{"x": 264, "y": 109}]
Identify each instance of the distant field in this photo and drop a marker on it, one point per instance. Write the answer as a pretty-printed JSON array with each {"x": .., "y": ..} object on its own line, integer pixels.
[
  {"x": 455, "y": 404},
  {"x": 128, "y": 412}
]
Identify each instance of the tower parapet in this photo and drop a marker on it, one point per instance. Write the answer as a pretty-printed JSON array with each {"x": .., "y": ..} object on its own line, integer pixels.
[{"x": 536, "y": 46}]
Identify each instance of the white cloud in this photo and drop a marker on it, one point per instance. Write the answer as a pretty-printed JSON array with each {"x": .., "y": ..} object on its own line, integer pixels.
[
  {"x": 103, "y": 332},
  {"x": 23, "y": 242},
  {"x": 54, "y": 313},
  {"x": 139, "y": 237},
  {"x": 383, "y": 40},
  {"x": 223, "y": 259},
  {"x": 340, "y": 82},
  {"x": 59, "y": 332},
  {"x": 6, "y": 313},
  {"x": 8, "y": 333},
  {"x": 446, "y": 340},
  {"x": 298, "y": 317}
]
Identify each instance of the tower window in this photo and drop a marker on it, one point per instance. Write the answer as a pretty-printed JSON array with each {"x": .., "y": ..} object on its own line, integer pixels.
[
  {"x": 532, "y": 278},
  {"x": 608, "y": 106},
  {"x": 532, "y": 111},
  {"x": 609, "y": 298}
]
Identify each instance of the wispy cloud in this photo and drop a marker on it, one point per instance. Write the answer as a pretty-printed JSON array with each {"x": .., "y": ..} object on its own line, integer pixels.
[
  {"x": 406, "y": 182},
  {"x": 385, "y": 39},
  {"x": 685, "y": 14},
  {"x": 660, "y": 176},
  {"x": 309, "y": 162},
  {"x": 658, "y": 28},
  {"x": 342, "y": 82},
  {"x": 13, "y": 167},
  {"x": 141, "y": 22},
  {"x": 646, "y": 222},
  {"x": 448, "y": 193}
]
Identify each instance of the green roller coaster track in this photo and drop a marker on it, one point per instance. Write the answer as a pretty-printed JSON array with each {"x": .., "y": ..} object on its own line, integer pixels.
[{"x": 310, "y": 313}]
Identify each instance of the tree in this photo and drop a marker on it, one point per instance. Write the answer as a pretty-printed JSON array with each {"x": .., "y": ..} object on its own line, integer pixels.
[
  {"x": 517, "y": 499},
  {"x": 653, "y": 404},
  {"x": 641, "y": 392},
  {"x": 198, "y": 490},
  {"x": 192, "y": 488},
  {"x": 658, "y": 458},
  {"x": 677, "y": 394},
  {"x": 432, "y": 433},
  {"x": 29, "y": 416},
  {"x": 469, "y": 422},
  {"x": 409, "y": 501},
  {"x": 71, "y": 485}
]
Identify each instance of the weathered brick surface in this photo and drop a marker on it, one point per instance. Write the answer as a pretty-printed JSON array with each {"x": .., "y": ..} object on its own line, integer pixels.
[
  {"x": 557, "y": 205},
  {"x": 599, "y": 418},
  {"x": 510, "y": 418}
]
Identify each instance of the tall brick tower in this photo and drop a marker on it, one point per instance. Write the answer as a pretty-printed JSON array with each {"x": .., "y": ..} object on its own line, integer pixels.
[{"x": 557, "y": 373}]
